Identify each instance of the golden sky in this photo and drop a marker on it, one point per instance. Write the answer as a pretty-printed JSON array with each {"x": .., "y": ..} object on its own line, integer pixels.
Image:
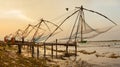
[{"x": 15, "y": 14}]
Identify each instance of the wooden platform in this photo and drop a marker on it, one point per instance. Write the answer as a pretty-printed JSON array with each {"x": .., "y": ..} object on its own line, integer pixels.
[{"x": 42, "y": 43}]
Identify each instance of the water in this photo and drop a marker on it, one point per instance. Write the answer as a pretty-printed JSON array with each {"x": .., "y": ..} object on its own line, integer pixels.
[{"x": 104, "y": 50}]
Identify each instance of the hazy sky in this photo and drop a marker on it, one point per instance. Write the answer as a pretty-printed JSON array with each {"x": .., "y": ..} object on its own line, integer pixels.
[{"x": 15, "y": 14}]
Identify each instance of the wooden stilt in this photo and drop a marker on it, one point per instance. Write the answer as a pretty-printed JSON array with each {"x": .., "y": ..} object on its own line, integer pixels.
[
  {"x": 56, "y": 48},
  {"x": 19, "y": 48},
  {"x": 37, "y": 51},
  {"x": 23, "y": 43},
  {"x": 75, "y": 49},
  {"x": 66, "y": 50},
  {"x": 52, "y": 50},
  {"x": 33, "y": 50},
  {"x": 44, "y": 50}
]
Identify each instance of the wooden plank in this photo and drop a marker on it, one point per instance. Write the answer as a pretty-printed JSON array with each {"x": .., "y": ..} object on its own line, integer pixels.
[
  {"x": 64, "y": 44},
  {"x": 42, "y": 44}
]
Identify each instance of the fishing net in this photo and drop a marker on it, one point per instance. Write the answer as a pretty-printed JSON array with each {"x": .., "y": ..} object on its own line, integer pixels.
[{"x": 82, "y": 30}]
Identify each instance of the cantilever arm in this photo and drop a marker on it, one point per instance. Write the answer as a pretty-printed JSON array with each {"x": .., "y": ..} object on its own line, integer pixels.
[
  {"x": 46, "y": 25},
  {"x": 61, "y": 24},
  {"x": 100, "y": 15},
  {"x": 53, "y": 24}
]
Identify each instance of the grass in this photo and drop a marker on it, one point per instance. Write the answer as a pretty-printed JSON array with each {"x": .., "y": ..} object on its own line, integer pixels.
[{"x": 9, "y": 58}]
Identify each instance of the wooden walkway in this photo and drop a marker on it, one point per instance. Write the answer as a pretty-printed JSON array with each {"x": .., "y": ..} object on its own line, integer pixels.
[{"x": 32, "y": 45}]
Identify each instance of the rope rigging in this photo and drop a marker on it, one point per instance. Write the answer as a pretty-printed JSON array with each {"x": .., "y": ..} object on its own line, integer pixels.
[
  {"x": 37, "y": 36},
  {"x": 82, "y": 27}
]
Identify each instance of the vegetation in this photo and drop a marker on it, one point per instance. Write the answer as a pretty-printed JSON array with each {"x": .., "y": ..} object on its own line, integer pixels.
[{"x": 12, "y": 59}]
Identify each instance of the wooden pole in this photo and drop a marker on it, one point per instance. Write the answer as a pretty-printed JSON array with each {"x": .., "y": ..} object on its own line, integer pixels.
[
  {"x": 33, "y": 50},
  {"x": 23, "y": 42},
  {"x": 56, "y": 48},
  {"x": 67, "y": 49},
  {"x": 19, "y": 48},
  {"x": 81, "y": 17},
  {"x": 75, "y": 48},
  {"x": 44, "y": 50},
  {"x": 52, "y": 50},
  {"x": 37, "y": 51}
]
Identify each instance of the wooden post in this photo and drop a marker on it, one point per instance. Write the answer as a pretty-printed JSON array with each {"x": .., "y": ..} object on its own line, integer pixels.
[
  {"x": 56, "y": 48},
  {"x": 52, "y": 50},
  {"x": 75, "y": 48},
  {"x": 37, "y": 51},
  {"x": 33, "y": 50},
  {"x": 19, "y": 45},
  {"x": 23, "y": 42},
  {"x": 44, "y": 50},
  {"x": 19, "y": 48},
  {"x": 67, "y": 49}
]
